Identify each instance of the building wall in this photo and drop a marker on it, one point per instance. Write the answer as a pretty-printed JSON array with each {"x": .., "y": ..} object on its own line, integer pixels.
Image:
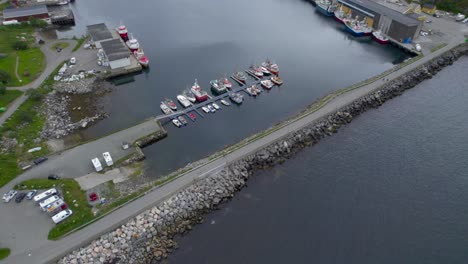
[
  {"x": 401, "y": 32},
  {"x": 26, "y": 18},
  {"x": 119, "y": 63}
]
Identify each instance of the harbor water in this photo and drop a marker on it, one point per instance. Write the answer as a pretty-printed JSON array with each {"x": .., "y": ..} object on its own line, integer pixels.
[
  {"x": 391, "y": 187},
  {"x": 208, "y": 39}
]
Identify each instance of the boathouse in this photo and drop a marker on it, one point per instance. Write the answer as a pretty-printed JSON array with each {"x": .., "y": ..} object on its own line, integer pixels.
[
  {"x": 99, "y": 33},
  {"x": 116, "y": 53},
  {"x": 392, "y": 23},
  {"x": 22, "y": 14}
]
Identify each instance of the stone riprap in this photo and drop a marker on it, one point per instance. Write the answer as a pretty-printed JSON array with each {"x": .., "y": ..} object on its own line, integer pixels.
[{"x": 149, "y": 237}]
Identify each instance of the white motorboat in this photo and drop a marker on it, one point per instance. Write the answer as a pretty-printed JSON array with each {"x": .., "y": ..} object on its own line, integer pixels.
[
  {"x": 166, "y": 110},
  {"x": 176, "y": 122},
  {"x": 224, "y": 102},
  {"x": 205, "y": 109},
  {"x": 267, "y": 84},
  {"x": 183, "y": 101},
  {"x": 216, "y": 106},
  {"x": 212, "y": 109}
]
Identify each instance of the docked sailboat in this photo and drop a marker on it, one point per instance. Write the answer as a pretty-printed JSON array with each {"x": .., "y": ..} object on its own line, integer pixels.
[
  {"x": 326, "y": 7},
  {"x": 380, "y": 37},
  {"x": 166, "y": 110},
  {"x": 218, "y": 87},
  {"x": 141, "y": 57},
  {"x": 183, "y": 101},
  {"x": 200, "y": 95},
  {"x": 236, "y": 98}
]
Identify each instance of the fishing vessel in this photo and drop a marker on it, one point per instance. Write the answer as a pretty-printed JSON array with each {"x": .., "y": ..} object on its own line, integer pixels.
[
  {"x": 166, "y": 110},
  {"x": 326, "y": 7},
  {"x": 380, "y": 37},
  {"x": 239, "y": 77},
  {"x": 123, "y": 32},
  {"x": 171, "y": 104},
  {"x": 264, "y": 70},
  {"x": 257, "y": 89},
  {"x": 358, "y": 28},
  {"x": 183, "y": 101},
  {"x": 200, "y": 95},
  {"x": 224, "y": 102},
  {"x": 189, "y": 95},
  {"x": 271, "y": 67},
  {"x": 182, "y": 120},
  {"x": 176, "y": 122},
  {"x": 341, "y": 16},
  {"x": 255, "y": 71},
  {"x": 227, "y": 83},
  {"x": 132, "y": 44},
  {"x": 268, "y": 84},
  {"x": 141, "y": 57},
  {"x": 277, "y": 80},
  {"x": 218, "y": 87},
  {"x": 236, "y": 98},
  {"x": 251, "y": 91}
]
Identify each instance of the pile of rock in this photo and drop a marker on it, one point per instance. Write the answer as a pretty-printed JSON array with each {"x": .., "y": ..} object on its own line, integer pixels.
[
  {"x": 79, "y": 86},
  {"x": 7, "y": 144}
]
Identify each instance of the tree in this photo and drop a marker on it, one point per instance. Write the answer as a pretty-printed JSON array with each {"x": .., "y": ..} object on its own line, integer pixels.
[
  {"x": 25, "y": 117},
  {"x": 2, "y": 88},
  {"x": 37, "y": 23},
  {"x": 4, "y": 76},
  {"x": 34, "y": 94},
  {"x": 20, "y": 45}
]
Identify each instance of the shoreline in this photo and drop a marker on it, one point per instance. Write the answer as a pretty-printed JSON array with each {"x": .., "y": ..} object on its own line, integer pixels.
[{"x": 149, "y": 236}]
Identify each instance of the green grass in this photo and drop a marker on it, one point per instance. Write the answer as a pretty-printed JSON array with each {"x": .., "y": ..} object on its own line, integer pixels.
[
  {"x": 4, "y": 5},
  {"x": 71, "y": 191},
  {"x": 79, "y": 42},
  {"x": 438, "y": 47},
  {"x": 62, "y": 45},
  {"x": 4, "y": 253},
  {"x": 8, "y": 97},
  {"x": 8, "y": 169},
  {"x": 32, "y": 59}
]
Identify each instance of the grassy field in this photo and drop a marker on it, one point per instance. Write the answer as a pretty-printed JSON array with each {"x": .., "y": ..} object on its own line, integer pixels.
[
  {"x": 4, "y": 253},
  {"x": 61, "y": 45},
  {"x": 79, "y": 42},
  {"x": 31, "y": 60},
  {"x": 8, "y": 97},
  {"x": 71, "y": 191}
]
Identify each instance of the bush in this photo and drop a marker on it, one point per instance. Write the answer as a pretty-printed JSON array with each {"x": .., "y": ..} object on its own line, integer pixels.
[
  {"x": 25, "y": 117},
  {"x": 2, "y": 88},
  {"x": 37, "y": 23},
  {"x": 34, "y": 94},
  {"x": 20, "y": 45},
  {"x": 4, "y": 76}
]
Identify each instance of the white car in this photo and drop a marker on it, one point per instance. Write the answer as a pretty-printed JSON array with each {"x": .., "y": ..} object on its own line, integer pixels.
[
  {"x": 9, "y": 195},
  {"x": 72, "y": 60},
  {"x": 31, "y": 194},
  {"x": 61, "y": 216}
]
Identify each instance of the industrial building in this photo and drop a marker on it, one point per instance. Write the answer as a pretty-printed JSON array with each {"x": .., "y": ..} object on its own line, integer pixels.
[
  {"x": 99, "y": 33},
  {"x": 22, "y": 14},
  {"x": 392, "y": 23},
  {"x": 117, "y": 54}
]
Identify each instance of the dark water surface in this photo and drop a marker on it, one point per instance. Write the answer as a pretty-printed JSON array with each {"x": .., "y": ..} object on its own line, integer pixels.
[
  {"x": 206, "y": 39},
  {"x": 391, "y": 187}
]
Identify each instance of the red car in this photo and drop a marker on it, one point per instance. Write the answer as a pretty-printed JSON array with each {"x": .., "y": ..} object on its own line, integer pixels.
[{"x": 93, "y": 197}]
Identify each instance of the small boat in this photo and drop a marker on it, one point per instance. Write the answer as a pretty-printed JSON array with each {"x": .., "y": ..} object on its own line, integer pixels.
[
  {"x": 182, "y": 120},
  {"x": 224, "y": 102},
  {"x": 183, "y": 101},
  {"x": 218, "y": 87},
  {"x": 256, "y": 71},
  {"x": 200, "y": 95},
  {"x": 267, "y": 84},
  {"x": 166, "y": 110},
  {"x": 271, "y": 67},
  {"x": 277, "y": 80},
  {"x": 216, "y": 106},
  {"x": 239, "y": 77},
  {"x": 380, "y": 37},
  {"x": 171, "y": 104},
  {"x": 189, "y": 95},
  {"x": 141, "y": 57},
  {"x": 132, "y": 44},
  {"x": 205, "y": 109},
  {"x": 192, "y": 116},
  {"x": 227, "y": 83},
  {"x": 211, "y": 108},
  {"x": 265, "y": 70},
  {"x": 326, "y": 7},
  {"x": 251, "y": 91},
  {"x": 123, "y": 33},
  {"x": 358, "y": 28},
  {"x": 236, "y": 98},
  {"x": 176, "y": 122},
  {"x": 257, "y": 89}
]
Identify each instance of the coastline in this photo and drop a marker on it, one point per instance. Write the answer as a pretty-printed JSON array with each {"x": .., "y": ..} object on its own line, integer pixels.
[{"x": 149, "y": 236}]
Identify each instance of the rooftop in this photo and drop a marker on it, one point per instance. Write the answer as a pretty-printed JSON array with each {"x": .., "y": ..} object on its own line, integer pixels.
[
  {"x": 373, "y": 7},
  {"x": 24, "y": 11},
  {"x": 99, "y": 32},
  {"x": 429, "y": 6},
  {"x": 115, "y": 49}
]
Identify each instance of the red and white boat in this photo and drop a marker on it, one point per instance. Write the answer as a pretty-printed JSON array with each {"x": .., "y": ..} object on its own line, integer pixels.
[
  {"x": 255, "y": 70},
  {"x": 380, "y": 37},
  {"x": 226, "y": 82},
  {"x": 123, "y": 32},
  {"x": 132, "y": 44},
  {"x": 271, "y": 67},
  {"x": 200, "y": 95},
  {"x": 141, "y": 57}
]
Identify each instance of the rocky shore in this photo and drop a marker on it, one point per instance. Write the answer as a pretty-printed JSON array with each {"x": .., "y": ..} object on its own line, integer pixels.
[{"x": 150, "y": 236}]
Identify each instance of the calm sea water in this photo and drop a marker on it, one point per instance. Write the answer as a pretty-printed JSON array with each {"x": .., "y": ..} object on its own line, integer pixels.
[
  {"x": 207, "y": 39},
  {"x": 391, "y": 187}
]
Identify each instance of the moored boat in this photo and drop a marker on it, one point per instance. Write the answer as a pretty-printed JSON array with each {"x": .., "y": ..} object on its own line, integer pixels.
[
  {"x": 176, "y": 122},
  {"x": 189, "y": 95},
  {"x": 277, "y": 80},
  {"x": 264, "y": 70},
  {"x": 200, "y": 95},
  {"x": 182, "y": 120},
  {"x": 141, "y": 57},
  {"x": 255, "y": 71},
  {"x": 239, "y": 77},
  {"x": 123, "y": 32},
  {"x": 171, "y": 104},
  {"x": 227, "y": 83},
  {"x": 341, "y": 16},
  {"x": 268, "y": 84},
  {"x": 216, "y": 106},
  {"x": 218, "y": 87},
  {"x": 205, "y": 109},
  {"x": 326, "y": 7},
  {"x": 251, "y": 91},
  {"x": 380, "y": 37},
  {"x": 211, "y": 108},
  {"x": 166, "y": 110},
  {"x": 257, "y": 89},
  {"x": 236, "y": 98},
  {"x": 357, "y": 28},
  {"x": 132, "y": 44},
  {"x": 183, "y": 101},
  {"x": 271, "y": 67},
  {"x": 192, "y": 116},
  {"x": 224, "y": 102}
]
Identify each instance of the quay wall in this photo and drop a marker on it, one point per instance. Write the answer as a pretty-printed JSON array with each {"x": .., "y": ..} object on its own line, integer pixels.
[{"x": 150, "y": 236}]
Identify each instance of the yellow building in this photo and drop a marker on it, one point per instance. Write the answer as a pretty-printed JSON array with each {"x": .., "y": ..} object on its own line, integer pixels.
[{"x": 429, "y": 9}]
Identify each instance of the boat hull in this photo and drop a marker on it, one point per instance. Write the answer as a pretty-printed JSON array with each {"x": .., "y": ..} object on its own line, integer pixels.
[
  {"x": 355, "y": 33},
  {"x": 381, "y": 41},
  {"x": 324, "y": 11}
]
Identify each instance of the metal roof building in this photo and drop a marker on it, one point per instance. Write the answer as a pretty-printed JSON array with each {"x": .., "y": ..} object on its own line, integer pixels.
[
  {"x": 116, "y": 52},
  {"x": 99, "y": 33},
  {"x": 391, "y": 22},
  {"x": 24, "y": 13}
]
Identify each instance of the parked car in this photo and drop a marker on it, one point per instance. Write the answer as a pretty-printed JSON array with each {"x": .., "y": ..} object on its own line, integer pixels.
[
  {"x": 72, "y": 60},
  {"x": 9, "y": 195},
  {"x": 428, "y": 21},
  {"x": 61, "y": 216},
  {"x": 31, "y": 194},
  {"x": 20, "y": 197},
  {"x": 40, "y": 160},
  {"x": 53, "y": 177},
  {"x": 93, "y": 197}
]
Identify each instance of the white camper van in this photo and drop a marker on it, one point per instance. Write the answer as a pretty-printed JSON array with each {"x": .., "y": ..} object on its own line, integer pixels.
[
  {"x": 97, "y": 164},
  {"x": 108, "y": 158},
  {"x": 44, "y": 195}
]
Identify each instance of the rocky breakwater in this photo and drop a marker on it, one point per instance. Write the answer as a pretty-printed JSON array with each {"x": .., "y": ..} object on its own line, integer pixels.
[{"x": 150, "y": 236}]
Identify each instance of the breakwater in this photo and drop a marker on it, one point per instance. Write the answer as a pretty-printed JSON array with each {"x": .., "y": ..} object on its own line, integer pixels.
[{"x": 150, "y": 235}]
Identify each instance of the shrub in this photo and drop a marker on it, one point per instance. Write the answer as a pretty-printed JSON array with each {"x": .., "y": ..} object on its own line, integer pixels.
[
  {"x": 20, "y": 45},
  {"x": 34, "y": 94},
  {"x": 4, "y": 76},
  {"x": 2, "y": 88},
  {"x": 25, "y": 117},
  {"x": 37, "y": 23}
]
